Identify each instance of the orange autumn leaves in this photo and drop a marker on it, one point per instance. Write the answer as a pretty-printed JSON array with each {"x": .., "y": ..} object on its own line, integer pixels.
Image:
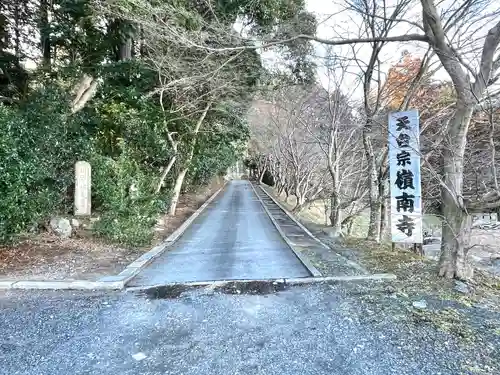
[
  {"x": 399, "y": 80},
  {"x": 428, "y": 96}
]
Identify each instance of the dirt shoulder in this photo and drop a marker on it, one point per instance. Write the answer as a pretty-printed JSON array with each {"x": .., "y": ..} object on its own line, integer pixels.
[{"x": 48, "y": 257}]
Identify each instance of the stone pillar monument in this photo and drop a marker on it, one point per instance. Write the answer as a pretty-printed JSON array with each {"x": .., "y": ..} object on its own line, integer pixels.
[{"x": 82, "y": 188}]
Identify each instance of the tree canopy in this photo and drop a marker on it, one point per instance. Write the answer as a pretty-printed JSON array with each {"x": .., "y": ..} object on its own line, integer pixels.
[{"x": 115, "y": 83}]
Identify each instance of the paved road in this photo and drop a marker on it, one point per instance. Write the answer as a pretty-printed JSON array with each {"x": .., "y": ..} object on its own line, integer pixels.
[
  {"x": 232, "y": 239},
  {"x": 318, "y": 330}
]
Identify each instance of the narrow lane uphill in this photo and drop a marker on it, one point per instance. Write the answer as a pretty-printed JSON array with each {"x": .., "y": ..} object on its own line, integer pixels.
[{"x": 233, "y": 239}]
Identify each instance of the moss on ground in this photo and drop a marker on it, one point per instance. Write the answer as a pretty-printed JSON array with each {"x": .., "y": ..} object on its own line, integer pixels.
[
  {"x": 418, "y": 274},
  {"x": 473, "y": 318}
]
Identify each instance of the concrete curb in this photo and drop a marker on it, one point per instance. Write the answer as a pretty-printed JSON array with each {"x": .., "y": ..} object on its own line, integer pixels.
[
  {"x": 145, "y": 259},
  {"x": 290, "y": 215},
  {"x": 326, "y": 279},
  {"x": 116, "y": 282},
  {"x": 60, "y": 285},
  {"x": 225, "y": 284},
  {"x": 306, "y": 262}
]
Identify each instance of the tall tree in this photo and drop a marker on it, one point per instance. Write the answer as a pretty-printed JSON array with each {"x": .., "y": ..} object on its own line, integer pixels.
[
  {"x": 196, "y": 80},
  {"x": 13, "y": 76},
  {"x": 45, "y": 31},
  {"x": 377, "y": 23}
]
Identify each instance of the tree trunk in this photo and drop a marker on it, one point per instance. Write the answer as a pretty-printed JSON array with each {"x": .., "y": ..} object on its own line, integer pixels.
[
  {"x": 83, "y": 91},
  {"x": 349, "y": 223},
  {"x": 182, "y": 174},
  {"x": 279, "y": 187},
  {"x": 299, "y": 199},
  {"x": 384, "y": 219},
  {"x": 261, "y": 175},
  {"x": 373, "y": 185},
  {"x": 456, "y": 221},
  {"x": 17, "y": 31},
  {"x": 122, "y": 32},
  {"x": 326, "y": 207},
  {"x": 335, "y": 214},
  {"x": 177, "y": 191},
  {"x": 165, "y": 172},
  {"x": 125, "y": 50},
  {"x": 455, "y": 231},
  {"x": 45, "y": 34},
  {"x": 384, "y": 215},
  {"x": 300, "y": 202}
]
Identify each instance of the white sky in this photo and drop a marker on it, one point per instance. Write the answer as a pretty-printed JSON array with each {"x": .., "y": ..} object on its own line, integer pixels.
[{"x": 334, "y": 22}]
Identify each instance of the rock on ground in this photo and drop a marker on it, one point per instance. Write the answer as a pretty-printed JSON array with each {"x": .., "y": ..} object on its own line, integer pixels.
[
  {"x": 461, "y": 287},
  {"x": 75, "y": 223},
  {"x": 420, "y": 304},
  {"x": 61, "y": 227}
]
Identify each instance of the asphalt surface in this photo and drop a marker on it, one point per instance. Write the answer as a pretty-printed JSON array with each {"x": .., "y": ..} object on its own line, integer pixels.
[
  {"x": 232, "y": 239},
  {"x": 316, "y": 330}
]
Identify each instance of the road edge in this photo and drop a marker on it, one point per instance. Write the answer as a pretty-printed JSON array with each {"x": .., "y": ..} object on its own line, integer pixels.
[
  {"x": 296, "y": 221},
  {"x": 133, "y": 269},
  {"x": 115, "y": 282},
  {"x": 219, "y": 284},
  {"x": 304, "y": 260}
]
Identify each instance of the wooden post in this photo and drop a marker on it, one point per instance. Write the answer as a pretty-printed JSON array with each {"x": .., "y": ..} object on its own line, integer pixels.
[{"x": 418, "y": 249}]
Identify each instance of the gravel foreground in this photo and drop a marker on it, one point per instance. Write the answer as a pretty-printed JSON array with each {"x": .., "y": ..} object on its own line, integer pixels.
[{"x": 319, "y": 329}]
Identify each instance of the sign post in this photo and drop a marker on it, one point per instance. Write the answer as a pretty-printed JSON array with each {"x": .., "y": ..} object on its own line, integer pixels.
[
  {"x": 82, "y": 188},
  {"x": 404, "y": 172}
]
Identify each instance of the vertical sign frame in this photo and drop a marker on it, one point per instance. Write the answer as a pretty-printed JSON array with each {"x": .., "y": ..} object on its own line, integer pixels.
[{"x": 405, "y": 180}]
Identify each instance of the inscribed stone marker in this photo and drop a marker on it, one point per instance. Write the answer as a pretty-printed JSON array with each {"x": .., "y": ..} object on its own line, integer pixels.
[{"x": 82, "y": 188}]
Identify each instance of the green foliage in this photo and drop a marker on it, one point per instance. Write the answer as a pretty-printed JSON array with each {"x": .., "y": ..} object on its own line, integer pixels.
[
  {"x": 38, "y": 147},
  {"x": 120, "y": 111},
  {"x": 217, "y": 150},
  {"x": 213, "y": 157},
  {"x": 13, "y": 77},
  {"x": 122, "y": 192},
  {"x": 283, "y": 19},
  {"x": 19, "y": 201},
  {"x": 77, "y": 34},
  {"x": 122, "y": 130},
  {"x": 40, "y": 142},
  {"x": 130, "y": 148},
  {"x": 264, "y": 15}
]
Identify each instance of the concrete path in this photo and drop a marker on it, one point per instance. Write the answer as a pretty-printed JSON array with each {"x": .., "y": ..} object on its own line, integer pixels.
[{"x": 232, "y": 239}]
